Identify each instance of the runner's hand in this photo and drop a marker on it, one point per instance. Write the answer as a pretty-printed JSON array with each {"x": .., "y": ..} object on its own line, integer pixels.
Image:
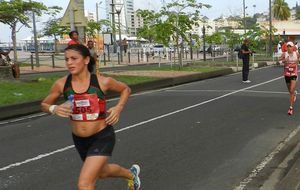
[
  {"x": 114, "y": 115},
  {"x": 63, "y": 110}
]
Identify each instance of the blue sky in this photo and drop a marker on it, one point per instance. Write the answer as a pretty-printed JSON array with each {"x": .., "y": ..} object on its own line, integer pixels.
[{"x": 219, "y": 7}]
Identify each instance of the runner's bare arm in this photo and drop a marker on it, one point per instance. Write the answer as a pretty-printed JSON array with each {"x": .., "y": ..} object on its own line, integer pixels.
[
  {"x": 109, "y": 84},
  {"x": 55, "y": 92},
  {"x": 282, "y": 57}
]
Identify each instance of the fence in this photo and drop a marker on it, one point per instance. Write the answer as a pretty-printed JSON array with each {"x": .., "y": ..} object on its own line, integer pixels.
[{"x": 221, "y": 58}]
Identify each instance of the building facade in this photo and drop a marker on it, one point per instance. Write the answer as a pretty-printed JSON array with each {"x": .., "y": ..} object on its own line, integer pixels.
[{"x": 127, "y": 15}]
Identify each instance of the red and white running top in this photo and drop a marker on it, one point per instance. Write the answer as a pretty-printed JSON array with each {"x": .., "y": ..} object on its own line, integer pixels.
[{"x": 291, "y": 65}]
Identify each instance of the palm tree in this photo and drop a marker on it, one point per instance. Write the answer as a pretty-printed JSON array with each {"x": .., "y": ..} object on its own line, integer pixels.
[{"x": 281, "y": 10}]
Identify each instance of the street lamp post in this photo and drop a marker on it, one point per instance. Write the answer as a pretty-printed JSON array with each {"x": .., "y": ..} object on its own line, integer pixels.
[
  {"x": 191, "y": 46},
  {"x": 118, "y": 8},
  {"x": 244, "y": 18},
  {"x": 98, "y": 36},
  {"x": 113, "y": 25},
  {"x": 36, "y": 46},
  {"x": 270, "y": 23},
  {"x": 204, "y": 50}
]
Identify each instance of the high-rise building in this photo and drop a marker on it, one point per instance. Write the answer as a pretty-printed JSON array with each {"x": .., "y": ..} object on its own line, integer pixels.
[
  {"x": 127, "y": 16},
  {"x": 90, "y": 15}
]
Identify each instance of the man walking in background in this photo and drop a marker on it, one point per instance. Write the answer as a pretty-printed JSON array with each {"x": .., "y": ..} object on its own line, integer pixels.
[
  {"x": 90, "y": 46},
  {"x": 246, "y": 59}
]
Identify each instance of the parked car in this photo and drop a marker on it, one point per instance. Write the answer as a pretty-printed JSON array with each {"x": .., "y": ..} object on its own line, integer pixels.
[
  {"x": 158, "y": 48},
  {"x": 206, "y": 48}
]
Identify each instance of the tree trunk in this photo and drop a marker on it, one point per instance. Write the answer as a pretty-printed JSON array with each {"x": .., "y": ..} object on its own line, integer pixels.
[
  {"x": 55, "y": 44},
  {"x": 178, "y": 51},
  {"x": 14, "y": 40}
]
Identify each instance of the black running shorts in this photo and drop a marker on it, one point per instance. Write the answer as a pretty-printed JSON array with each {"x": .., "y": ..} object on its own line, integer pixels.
[
  {"x": 288, "y": 79},
  {"x": 101, "y": 143}
]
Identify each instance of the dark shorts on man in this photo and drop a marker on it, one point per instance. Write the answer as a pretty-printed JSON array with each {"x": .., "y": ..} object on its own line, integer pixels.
[
  {"x": 289, "y": 79},
  {"x": 99, "y": 144}
]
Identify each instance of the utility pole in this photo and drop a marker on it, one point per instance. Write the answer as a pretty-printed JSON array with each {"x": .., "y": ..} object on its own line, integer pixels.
[
  {"x": 98, "y": 41},
  {"x": 270, "y": 23},
  {"x": 191, "y": 46},
  {"x": 244, "y": 18},
  {"x": 36, "y": 47},
  {"x": 118, "y": 10},
  {"x": 97, "y": 17},
  {"x": 113, "y": 25},
  {"x": 204, "y": 49}
]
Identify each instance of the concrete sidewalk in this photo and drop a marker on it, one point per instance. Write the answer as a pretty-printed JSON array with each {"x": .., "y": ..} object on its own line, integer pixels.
[{"x": 286, "y": 174}]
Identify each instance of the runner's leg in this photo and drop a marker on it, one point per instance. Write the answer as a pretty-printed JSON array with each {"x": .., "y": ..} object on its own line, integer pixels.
[
  {"x": 90, "y": 172},
  {"x": 292, "y": 88},
  {"x": 114, "y": 170}
]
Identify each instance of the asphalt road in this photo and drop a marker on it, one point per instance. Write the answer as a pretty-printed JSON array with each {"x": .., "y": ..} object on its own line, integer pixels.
[{"x": 206, "y": 135}]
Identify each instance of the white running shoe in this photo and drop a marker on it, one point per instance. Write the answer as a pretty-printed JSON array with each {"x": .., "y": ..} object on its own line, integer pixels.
[{"x": 246, "y": 81}]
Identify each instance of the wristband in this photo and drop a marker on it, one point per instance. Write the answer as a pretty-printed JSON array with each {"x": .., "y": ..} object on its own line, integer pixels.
[{"x": 52, "y": 108}]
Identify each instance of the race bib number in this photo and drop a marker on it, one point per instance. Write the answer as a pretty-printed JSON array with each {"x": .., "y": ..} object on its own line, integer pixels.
[
  {"x": 87, "y": 107},
  {"x": 290, "y": 70}
]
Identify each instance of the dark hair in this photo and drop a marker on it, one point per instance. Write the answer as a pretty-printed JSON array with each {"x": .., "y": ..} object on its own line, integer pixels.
[
  {"x": 85, "y": 52},
  {"x": 72, "y": 32}
]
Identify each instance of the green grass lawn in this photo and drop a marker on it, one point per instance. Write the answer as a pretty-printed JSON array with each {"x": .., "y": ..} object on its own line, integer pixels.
[
  {"x": 30, "y": 89},
  {"x": 192, "y": 68}
]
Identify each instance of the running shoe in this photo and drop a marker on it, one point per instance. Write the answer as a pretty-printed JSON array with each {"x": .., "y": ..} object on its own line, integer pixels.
[
  {"x": 295, "y": 96},
  {"x": 246, "y": 81},
  {"x": 290, "y": 111},
  {"x": 135, "y": 183}
]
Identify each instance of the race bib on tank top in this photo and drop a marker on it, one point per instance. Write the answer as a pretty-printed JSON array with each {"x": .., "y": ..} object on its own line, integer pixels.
[
  {"x": 87, "y": 107},
  {"x": 291, "y": 67}
]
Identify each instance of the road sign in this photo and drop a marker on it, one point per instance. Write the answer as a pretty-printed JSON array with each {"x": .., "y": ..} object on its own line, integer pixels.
[{"x": 107, "y": 39}]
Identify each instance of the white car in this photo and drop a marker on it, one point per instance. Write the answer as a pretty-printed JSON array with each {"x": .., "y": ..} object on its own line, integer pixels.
[{"x": 158, "y": 48}]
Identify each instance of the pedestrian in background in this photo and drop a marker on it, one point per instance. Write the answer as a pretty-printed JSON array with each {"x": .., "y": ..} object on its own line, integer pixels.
[
  {"x": 125, "y": 45},
  {"x": 284, "y": 46},
  {"x": 74, "y": 38},
  {"x": 296, "y": 48},
  {"x": 246, "y": 59},
  {"x": 90, "y": 46}
]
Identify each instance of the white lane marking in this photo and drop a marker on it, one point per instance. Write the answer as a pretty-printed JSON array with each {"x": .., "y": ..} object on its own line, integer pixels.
[
  {"x": 35, "y": 158},
  {"x": 23, "y": 118},
  {"x": 266, "y": 160},
  {"x": 142, "y": 123},
  {"x": 200, "y": 90},
  {"x": 251, "y": 91},
  {"x": 266, "y": 92}
]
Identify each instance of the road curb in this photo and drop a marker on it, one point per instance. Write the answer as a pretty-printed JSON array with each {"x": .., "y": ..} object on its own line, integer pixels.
[{"x": 27, "y": 108}]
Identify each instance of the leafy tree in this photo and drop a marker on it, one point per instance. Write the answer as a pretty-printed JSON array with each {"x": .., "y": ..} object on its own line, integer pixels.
[
  {"x": 93, "y": 26},
  {"x": 250, "y": 22},
  {"x": 173, "y": 22},
  {"x": 232, "y": 40},
  {"x": 53, "y": 28},
  {"x": 281, "y": 10},
  {"x": 259, "y": 37},
  {"x": 297, "y": 12},
  {"x": 215, "y": 38},
  {"x": 18, "y": 11}
]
